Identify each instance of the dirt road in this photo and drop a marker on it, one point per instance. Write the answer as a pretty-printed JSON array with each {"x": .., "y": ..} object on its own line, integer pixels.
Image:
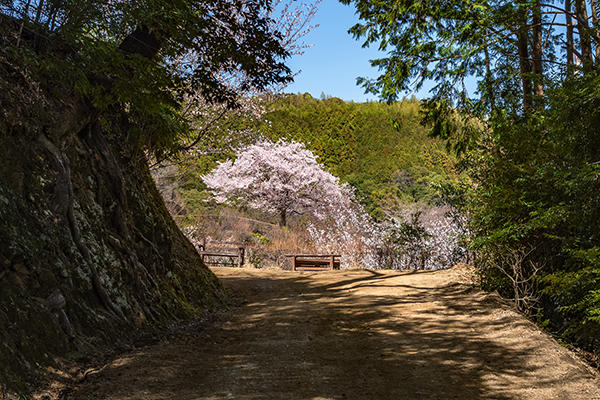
[{"x": 352, "y": 335}]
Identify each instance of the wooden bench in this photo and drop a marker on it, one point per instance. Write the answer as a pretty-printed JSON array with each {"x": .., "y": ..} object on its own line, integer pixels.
[
  {"x": 315, "y": 262},
  {"x": 222, "y": 251}
]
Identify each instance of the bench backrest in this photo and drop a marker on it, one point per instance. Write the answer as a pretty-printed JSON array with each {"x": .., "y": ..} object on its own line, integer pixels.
[
  {"x": 223, "y": 249},
  {"x": 315, "y": 262}
]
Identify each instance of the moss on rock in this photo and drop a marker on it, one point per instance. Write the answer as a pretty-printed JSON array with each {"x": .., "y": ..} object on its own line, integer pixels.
[{"x": 146, "y": 268}]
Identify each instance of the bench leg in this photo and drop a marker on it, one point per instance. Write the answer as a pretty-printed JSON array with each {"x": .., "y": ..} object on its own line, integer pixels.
[{"x": 240, "y": 257}]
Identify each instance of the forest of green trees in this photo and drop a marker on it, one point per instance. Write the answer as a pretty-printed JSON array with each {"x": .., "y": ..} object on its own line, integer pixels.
[
  {"x": 528, "y": 183},
  {"x": 526, "y": 137},
  {"x": 533, "y": 155},
  {"x": 382, "y": 150}
]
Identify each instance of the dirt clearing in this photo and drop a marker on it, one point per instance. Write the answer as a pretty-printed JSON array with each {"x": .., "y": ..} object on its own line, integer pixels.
[{"x": 352, "y": 335}]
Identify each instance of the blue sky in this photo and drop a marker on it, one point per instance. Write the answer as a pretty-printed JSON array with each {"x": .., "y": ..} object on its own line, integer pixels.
[
  {"x": 336, "y": 59},
  {"x": 334, "y": 62}
]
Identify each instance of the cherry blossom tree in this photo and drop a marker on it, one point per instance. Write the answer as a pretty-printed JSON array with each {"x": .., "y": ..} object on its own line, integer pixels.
[
  {"x": 215, "y": 127},
  {"x": 283, "y": 178}
]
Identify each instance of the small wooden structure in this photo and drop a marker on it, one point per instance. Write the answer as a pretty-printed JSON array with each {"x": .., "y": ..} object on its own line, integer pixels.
[
  {"x": 220, "y": 250},
  {"x": 315, "y": 262}
]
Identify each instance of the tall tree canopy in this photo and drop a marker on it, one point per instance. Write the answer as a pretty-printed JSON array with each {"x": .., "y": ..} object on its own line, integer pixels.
[
  {"x": 146, "y": 55},
  {"x": 513, "y": 49},
  {"x": 534, "y": 149}
]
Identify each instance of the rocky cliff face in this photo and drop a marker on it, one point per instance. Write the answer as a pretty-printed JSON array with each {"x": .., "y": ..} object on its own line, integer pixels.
[{"x": 88, "y": 251}]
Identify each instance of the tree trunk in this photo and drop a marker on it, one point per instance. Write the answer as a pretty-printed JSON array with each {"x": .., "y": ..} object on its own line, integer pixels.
[
  {"x": 38, "y": 13},
  {"x": 489, "y": 87},
  {"x": 594, "y": 8},
  {"x": 524, "y": 64},
  {"x": 570, "y": 46},
  {"x": 584, "y": 35},
  {"x": 282, "y": 217},
  {"x": 536, "y": 52},
  {"x": 25, "y": 17}
]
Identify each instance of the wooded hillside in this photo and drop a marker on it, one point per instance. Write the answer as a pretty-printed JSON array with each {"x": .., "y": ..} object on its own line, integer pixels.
[{"x": 383, "y": 151}]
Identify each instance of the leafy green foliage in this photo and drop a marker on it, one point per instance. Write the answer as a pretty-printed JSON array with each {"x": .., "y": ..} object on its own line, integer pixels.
[
  {"x": 446, "y": 42},
  {"x": 538, "y": 186},
  {"x": 577, "y": 294},
  {"x": 529, "y": 136},
  {"x": 144, "y": 57}
]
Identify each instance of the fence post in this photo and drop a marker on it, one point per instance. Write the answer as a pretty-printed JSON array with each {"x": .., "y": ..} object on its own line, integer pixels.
[
  {"x": 294, "y": 263},
  {"x": 331, "y": 262}
]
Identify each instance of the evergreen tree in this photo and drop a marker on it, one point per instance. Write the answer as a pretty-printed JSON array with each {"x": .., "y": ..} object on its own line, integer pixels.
[{"x": 529, "y": 136}]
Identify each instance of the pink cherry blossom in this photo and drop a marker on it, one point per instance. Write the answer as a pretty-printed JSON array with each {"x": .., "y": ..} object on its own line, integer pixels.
[{"x": 283, "y": 178}]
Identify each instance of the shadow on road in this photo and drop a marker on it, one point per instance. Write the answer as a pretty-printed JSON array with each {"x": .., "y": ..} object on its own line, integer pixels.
[{"x": 356, "y": 335}]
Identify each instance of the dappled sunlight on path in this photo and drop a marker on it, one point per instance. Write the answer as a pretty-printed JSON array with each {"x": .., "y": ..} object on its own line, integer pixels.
[{"x": 352, "y": 335}]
